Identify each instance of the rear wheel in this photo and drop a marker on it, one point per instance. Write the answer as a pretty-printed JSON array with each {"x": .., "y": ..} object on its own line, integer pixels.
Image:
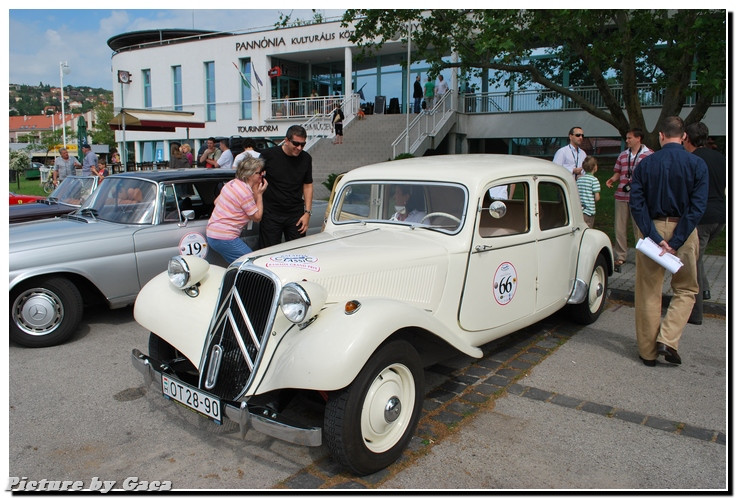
[
  {"x": 45, "y": 312},
  {"x": 369, "y": 423},
  {"x": 589, "y": 311}
]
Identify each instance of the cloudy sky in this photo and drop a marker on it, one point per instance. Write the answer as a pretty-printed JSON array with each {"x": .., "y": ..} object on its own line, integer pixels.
[{"x": 39, "y": 39}]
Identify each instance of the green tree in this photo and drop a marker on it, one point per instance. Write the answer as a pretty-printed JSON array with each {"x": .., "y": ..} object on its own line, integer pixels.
[
  {"x": 52, "y": 138},
  {"x": 665, "y": 48},
  {"x": 101, "y": 133},
  {"x": 19, "y": 161}
]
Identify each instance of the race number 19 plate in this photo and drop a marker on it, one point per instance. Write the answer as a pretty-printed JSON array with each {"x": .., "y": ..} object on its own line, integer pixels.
[{"x": 191, "y": 397}]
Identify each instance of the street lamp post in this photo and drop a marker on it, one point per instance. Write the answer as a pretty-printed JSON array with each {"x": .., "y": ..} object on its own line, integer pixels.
[
  {"x": 409, "y": 83},
  {"x": 63, "y": 69}
]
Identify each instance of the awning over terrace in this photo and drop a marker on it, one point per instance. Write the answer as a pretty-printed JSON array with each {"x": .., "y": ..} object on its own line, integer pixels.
[{"x": 145, "y": 120}]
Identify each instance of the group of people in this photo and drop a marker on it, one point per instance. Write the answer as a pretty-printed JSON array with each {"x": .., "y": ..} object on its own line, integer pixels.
[
  {"x": 424, "y": 97},
  {"x": 65, "y": 165},
  {"x": 677, "y": 198},
  {"x": 274, "y": 188}
]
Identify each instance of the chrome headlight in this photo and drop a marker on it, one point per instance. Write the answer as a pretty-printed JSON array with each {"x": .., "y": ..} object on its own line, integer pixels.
[
  {"x": 295, "y": 303},
  {"x": 186, "y": 271}
]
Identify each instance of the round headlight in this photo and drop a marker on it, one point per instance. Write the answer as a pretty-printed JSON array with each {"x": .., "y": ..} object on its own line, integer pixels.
[
  {"x": 178, "y": 272},
  {"x": 294, "y": 303}
]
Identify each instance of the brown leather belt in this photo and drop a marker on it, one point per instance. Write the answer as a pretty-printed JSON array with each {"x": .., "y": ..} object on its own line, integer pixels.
[{"x": 669, "y": 219}]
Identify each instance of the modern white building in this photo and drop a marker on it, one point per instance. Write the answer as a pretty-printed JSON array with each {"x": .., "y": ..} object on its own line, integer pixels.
[
  {"x": 258, "y": 83},
  {"x": 252, "y": 84}
]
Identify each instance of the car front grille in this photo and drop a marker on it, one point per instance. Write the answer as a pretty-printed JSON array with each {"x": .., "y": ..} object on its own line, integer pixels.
[{"x": 245, "y": 312}]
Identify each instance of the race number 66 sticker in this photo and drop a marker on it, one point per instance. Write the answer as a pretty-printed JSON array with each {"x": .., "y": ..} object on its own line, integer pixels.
[
  {"x": 504, "y": 283},
  {"x": 193, "y": 244}
]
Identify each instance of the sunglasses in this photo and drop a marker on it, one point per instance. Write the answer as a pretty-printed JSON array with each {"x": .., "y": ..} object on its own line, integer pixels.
[
  {"x": 579, "y": 134},
  {"x": 298, "y": 144}
]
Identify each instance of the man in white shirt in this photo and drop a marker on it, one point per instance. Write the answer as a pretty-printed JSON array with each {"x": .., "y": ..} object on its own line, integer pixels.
[
  {"x": 572, "y": 155},
  {"x": 226, "y": 158},
  {"x": 248, "y": 150}
]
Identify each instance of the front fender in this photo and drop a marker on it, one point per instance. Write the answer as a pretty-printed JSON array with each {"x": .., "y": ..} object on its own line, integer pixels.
[
  {"x": 186, "y": 329},
  {"x": 329, "y": 353},
  {"x": 592, "y": 244}
]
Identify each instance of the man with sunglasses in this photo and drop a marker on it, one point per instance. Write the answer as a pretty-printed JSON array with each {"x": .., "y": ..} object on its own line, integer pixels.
[
  {"x": 287, "y": 203},
  {"x": 572, "y": 155}
]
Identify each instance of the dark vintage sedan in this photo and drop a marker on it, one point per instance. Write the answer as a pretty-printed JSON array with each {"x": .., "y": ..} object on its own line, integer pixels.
[
  {"x": 66, "y": 198},
  {"x": 124, "y": 234}
]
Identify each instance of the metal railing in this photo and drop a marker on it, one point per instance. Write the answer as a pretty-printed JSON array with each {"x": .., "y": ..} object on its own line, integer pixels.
[
  {"x": 423, "y": 125},
  {"x": 319, "y": 125},
  {"x": 547, "y": 100}
]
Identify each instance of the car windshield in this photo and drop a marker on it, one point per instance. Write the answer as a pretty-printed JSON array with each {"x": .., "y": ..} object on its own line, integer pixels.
[
  {"x": 123, "y": 200},
  {"x": 73, "y": 190},
  {"x": 431, "y": 205}
]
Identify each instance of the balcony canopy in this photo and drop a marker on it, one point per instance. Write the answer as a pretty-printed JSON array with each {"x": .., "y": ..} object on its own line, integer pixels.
[{"x": 146, "y": 120}]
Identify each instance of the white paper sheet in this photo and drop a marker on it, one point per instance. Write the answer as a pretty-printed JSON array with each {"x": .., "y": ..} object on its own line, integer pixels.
[{"x": 652, "y": 250}]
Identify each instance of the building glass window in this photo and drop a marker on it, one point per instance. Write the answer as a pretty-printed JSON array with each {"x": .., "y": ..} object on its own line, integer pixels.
[
  {"x": 147, "y": 102},
  {"x": 246, "y": 97},
  {"x": 176, "y": 80},
  {"x": 209, "y": 88}
]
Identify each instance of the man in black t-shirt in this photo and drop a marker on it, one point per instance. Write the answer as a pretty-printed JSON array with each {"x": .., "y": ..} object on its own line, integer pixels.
[
  {"x": 714, "y": 219},
  {"x": 287, "y": 203}
]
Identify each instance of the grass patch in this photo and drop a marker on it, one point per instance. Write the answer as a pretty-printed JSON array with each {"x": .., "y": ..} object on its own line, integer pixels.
[{"x": 30, "y": 187}]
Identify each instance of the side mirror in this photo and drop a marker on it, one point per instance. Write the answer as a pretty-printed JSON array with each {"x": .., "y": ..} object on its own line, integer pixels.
[{"x": 497, "y": 209}]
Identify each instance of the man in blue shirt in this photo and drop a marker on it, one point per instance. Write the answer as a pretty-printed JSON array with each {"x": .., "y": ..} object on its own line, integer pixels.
[
  {"x": 669, "y": 193},
  {"x": 89, "y": 163}
]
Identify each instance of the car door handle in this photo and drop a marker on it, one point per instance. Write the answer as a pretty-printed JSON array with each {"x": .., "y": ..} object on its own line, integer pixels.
[{"x": 482, "y": 248}]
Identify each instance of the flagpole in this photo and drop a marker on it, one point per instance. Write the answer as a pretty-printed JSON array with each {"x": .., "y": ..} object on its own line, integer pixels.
[{"x": 250, "y": 85}]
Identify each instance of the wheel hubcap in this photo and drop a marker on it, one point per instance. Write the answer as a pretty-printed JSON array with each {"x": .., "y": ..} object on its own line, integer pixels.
[
  {"x": 392, "y": 410},
  {"x": 37, "y": 311},
  {"x": 382, "y": 420}
]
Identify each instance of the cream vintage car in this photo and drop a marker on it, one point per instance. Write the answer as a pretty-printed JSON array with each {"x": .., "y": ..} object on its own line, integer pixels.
[{"x": 346, "y": 320}]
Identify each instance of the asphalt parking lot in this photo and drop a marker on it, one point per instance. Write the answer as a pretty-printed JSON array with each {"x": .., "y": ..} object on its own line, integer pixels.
[{"x": 554, "y": 406}]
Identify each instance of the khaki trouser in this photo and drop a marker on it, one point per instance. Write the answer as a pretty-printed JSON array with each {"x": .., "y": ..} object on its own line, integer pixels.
[
  {"x": 622, "y": 215},
  {"x": 651, "y": 327}
]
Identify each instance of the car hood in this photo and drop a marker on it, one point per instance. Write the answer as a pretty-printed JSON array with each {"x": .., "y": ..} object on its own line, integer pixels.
[
  {"x": 51, "y": 234},
  {"x": 34, "y": 211},
  {"x": 396, "y": 263}
]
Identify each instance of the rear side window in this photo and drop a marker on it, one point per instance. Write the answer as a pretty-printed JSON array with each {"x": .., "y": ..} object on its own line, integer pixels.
[{"x": 553, "y": 209}]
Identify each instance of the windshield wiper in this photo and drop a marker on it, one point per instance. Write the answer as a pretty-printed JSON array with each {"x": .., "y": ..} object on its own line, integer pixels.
[{"x": 88, "y": 211}]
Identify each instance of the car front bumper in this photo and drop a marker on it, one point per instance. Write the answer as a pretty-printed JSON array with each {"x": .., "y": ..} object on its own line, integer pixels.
[{"x": 261, "y": 419}]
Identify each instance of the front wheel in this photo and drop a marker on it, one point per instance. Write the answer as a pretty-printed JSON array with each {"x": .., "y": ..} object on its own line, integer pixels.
[
  {"x": 589, "y": 311},
  {"x": 369, "y": 423},
  {"x": 48, "y": 187},
  {"x": 44, "y": 312}
]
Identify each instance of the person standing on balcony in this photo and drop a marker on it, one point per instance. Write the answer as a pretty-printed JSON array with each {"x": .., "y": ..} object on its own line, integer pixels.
[
  {"x": 441, "y": 87},
  {"x": 622, "y": 171},
  {"x": 429, "y": 94},
  {"x": 572, "y": 155},
  {"x": 417, "y": 95}
]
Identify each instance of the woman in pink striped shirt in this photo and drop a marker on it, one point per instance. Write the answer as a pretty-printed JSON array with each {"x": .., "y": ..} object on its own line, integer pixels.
[{"x": 239, "y": 202}]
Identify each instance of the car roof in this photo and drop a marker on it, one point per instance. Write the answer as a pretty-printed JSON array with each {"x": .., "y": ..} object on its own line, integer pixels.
[
  {"x": 469, "y": 169},
  {"x": 179, "y": 174}
]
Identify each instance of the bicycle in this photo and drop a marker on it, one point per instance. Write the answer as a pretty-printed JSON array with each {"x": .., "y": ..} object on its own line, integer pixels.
[{"x": 48, "y": 185}]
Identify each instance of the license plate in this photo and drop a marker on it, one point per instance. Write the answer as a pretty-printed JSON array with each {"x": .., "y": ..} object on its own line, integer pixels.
[{"x": 191, "y": 397}]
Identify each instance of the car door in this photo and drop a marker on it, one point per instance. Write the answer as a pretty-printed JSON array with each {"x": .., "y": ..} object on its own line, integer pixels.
[
  {"x": 172, "y": 235},
  {"x": 500, "y": 284},
  {"x": 558, "y": 243}
]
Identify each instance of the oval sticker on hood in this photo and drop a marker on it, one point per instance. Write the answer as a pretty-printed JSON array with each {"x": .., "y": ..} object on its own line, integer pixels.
[{"x": 306, "y": 262}]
